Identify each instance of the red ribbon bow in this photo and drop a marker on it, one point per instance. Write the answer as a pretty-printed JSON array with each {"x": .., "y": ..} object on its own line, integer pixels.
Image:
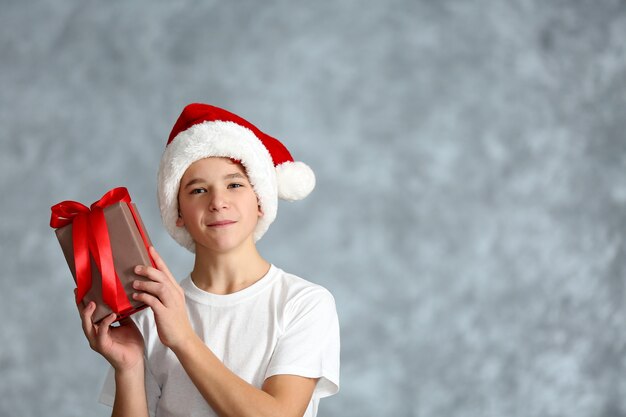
[{"x": 91, "y": 236}]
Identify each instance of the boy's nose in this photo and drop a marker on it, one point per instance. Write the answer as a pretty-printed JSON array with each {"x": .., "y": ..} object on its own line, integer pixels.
[{"x": 217, "y": 201}]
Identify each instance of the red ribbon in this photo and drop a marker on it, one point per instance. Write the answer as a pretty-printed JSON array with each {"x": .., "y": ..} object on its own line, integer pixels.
[{"x": 91, "y": 236}]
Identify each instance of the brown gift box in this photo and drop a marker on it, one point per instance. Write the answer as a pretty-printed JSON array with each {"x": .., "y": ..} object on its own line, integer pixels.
[{"x": 128, "y": 249}]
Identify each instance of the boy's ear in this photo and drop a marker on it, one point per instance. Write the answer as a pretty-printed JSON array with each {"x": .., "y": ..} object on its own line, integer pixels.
[
  {"x": 179, "y": 220},
  {"x": 260, "y": 209}
]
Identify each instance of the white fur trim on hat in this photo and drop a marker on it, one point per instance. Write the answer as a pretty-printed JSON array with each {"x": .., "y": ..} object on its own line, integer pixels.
[{"x": 219, "y": 139}]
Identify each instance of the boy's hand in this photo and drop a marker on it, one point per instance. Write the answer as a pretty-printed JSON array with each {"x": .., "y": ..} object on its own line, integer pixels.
[
  {"x": 167, "y": 300},
  {"x": 122, "y": 346}
]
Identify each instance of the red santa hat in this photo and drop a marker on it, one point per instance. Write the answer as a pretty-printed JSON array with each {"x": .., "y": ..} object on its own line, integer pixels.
[{"x": 202, "y": 131}]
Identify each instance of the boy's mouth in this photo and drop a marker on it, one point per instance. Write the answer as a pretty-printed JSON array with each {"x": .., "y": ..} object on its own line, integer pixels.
[{"x": 221, "y": 223}]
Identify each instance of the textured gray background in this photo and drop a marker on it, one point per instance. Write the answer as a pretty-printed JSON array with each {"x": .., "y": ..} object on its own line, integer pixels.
[{"x": 470, "y": 210}]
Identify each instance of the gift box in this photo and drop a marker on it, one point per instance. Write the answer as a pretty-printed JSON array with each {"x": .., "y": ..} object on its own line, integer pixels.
[{"x": 102, "y": 245}]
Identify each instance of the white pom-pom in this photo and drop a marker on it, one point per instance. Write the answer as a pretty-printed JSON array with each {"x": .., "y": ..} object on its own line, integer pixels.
[{"x": 295, "y": 180}]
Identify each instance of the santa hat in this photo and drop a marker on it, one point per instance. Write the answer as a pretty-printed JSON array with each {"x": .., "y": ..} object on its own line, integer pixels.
[{"x": 202, "y": 131}]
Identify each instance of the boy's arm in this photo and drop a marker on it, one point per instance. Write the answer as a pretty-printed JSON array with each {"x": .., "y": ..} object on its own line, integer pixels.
[
  {"x": 225, "y": 392},
  {"x": 229, "y": 395},
  {"x": 130, "y": 393},
  {"x": 122, "y": 347}
]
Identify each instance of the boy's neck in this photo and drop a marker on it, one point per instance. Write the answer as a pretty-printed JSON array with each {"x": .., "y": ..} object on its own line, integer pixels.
[{"x": 228, "y": 273}]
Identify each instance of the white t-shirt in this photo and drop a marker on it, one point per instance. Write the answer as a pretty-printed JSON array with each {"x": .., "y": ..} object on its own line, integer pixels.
[{"x": 282, "y": 324}]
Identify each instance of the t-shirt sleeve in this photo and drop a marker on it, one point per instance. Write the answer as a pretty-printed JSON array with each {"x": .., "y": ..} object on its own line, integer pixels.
[
  {"x": 309, "y": 344},
  {"x": 107, "y": 393}
]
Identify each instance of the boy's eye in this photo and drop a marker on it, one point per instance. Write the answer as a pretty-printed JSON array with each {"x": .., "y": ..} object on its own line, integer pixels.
[
  {"x": 198, "y": 191},
  {"x": 235, "y": 185}
]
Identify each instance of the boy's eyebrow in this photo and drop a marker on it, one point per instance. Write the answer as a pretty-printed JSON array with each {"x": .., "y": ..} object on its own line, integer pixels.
[
  {"x": 192, "y": 182},
  {"x": 234, "y": 175}
]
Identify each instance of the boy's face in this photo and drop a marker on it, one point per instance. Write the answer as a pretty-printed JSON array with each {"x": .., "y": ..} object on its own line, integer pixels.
[{"x": 218, "y": 205}]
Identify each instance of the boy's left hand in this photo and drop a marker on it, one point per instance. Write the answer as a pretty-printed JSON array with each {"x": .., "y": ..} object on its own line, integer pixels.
[{"x": 167, "y": 300}]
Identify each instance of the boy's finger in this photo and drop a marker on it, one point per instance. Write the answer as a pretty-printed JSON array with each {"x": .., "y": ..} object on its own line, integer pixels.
[
  {"x": 103, "y": 326},
  {"x": 86, "y": 315},
  {"x": 151, "y": 273},
  {"x": 151, "y": 287},
  {"x": 150, "y": 300},
  {"x": 160, "y": 263}
]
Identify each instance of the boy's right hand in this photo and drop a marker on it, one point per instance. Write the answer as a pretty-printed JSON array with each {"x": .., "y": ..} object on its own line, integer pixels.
[{"x": 122, "y": 346}]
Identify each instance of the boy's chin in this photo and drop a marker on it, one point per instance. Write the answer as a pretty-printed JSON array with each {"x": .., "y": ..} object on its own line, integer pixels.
[{"x": 223, "y": 245}]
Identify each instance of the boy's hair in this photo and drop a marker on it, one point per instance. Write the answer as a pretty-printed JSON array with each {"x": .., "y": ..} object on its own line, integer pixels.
[{"x": 203, "y": 131}]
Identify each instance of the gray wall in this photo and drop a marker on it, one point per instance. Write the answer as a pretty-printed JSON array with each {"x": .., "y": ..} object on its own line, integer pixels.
[{"x": 469, "y": 215}]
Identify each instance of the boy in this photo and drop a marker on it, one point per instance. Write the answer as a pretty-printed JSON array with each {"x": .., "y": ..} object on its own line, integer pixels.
[{"x": 239, "y": 336}]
